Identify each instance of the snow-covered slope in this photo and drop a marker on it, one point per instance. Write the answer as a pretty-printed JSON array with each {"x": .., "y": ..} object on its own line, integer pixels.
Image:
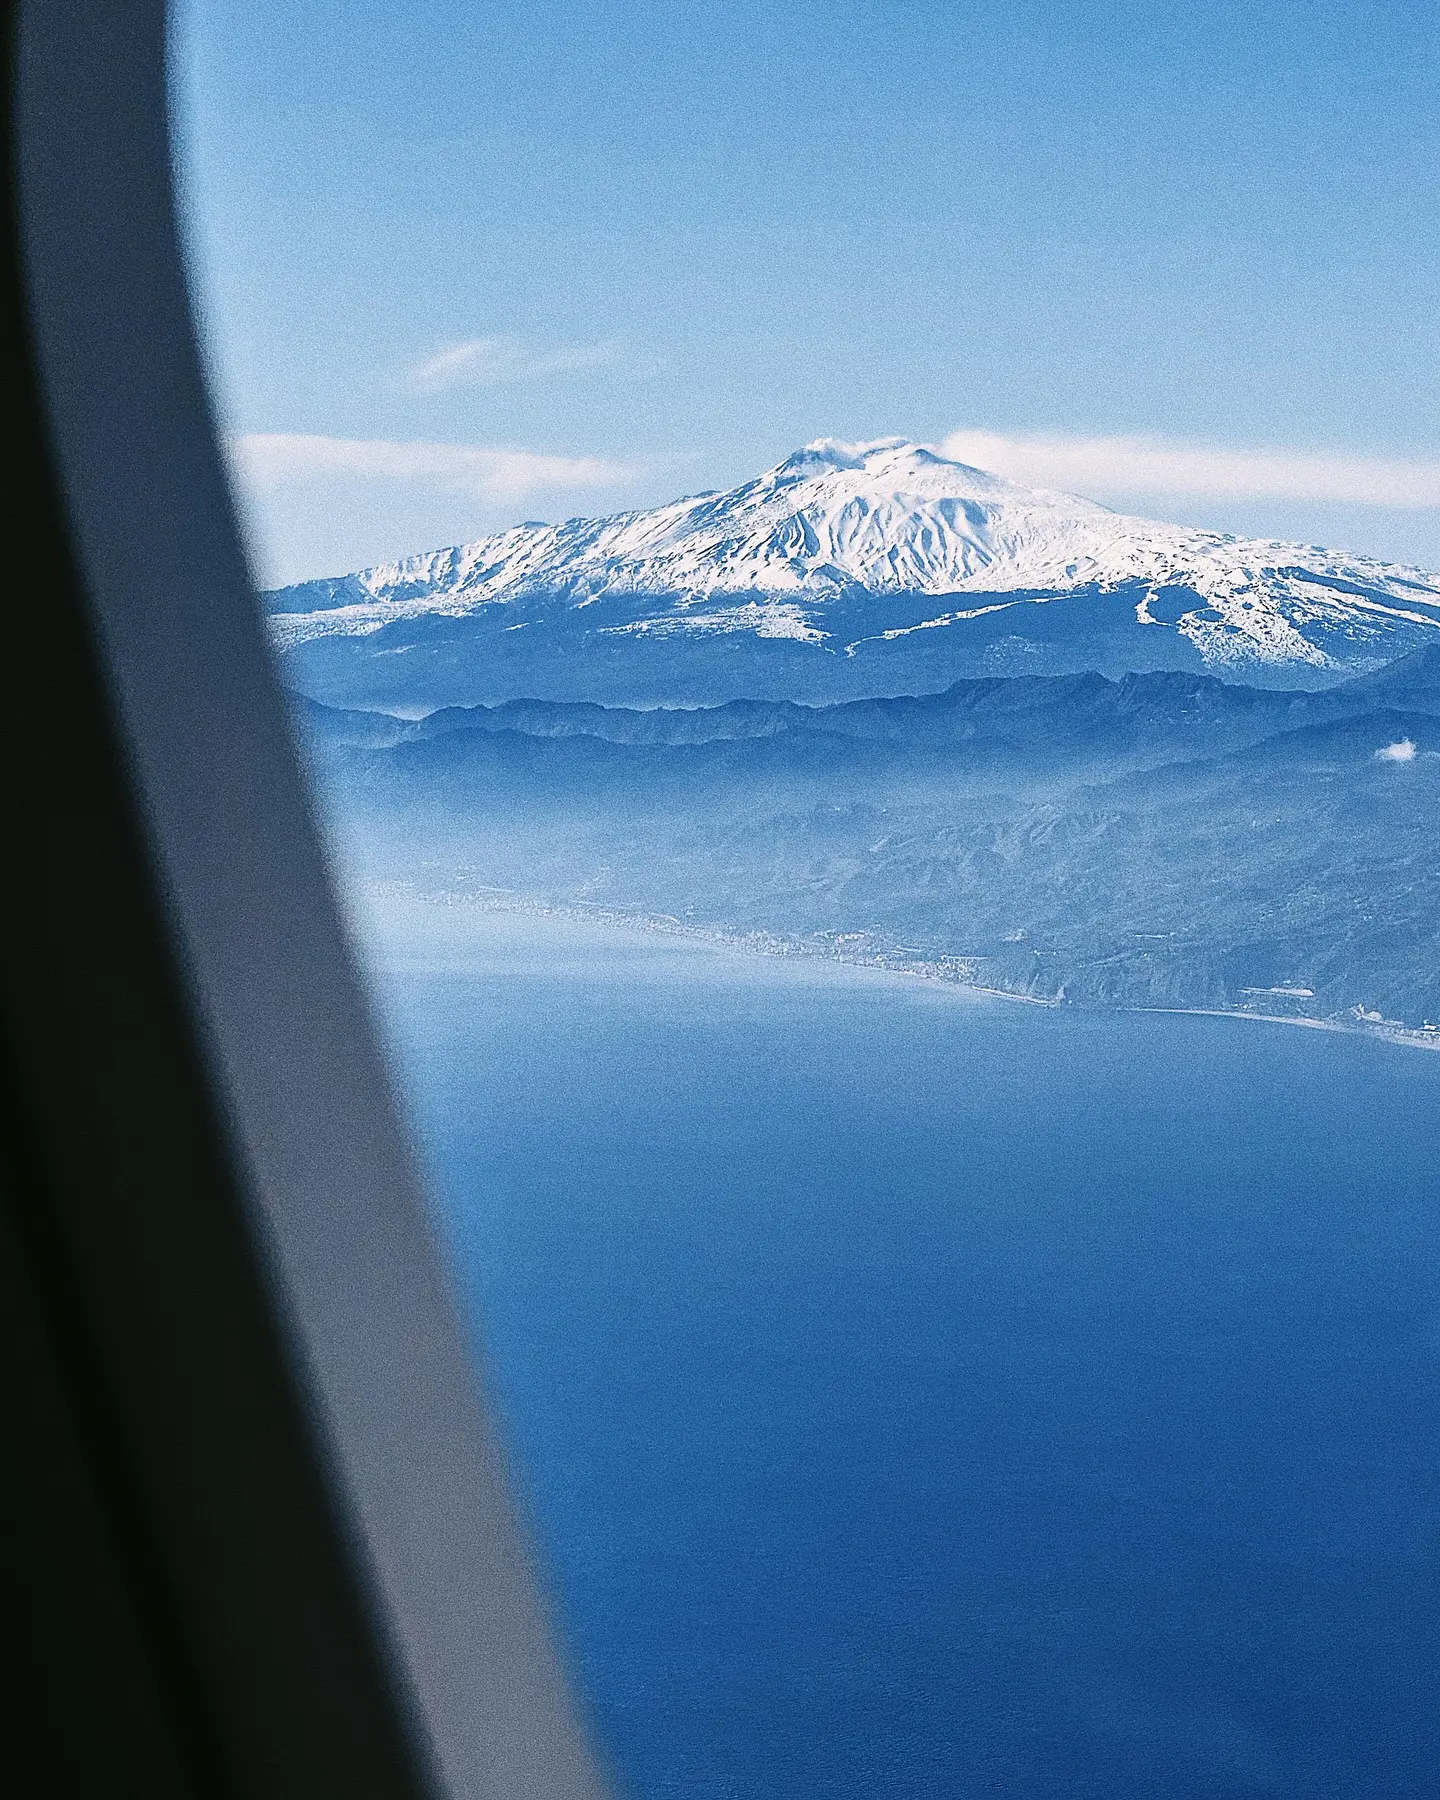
[{"x": 854, "y": 549}]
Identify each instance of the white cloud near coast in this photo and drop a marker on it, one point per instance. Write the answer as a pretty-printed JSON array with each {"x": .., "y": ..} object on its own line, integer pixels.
[
  {"x": 493, "y": 361},
  {"x": 1104, "y": 466},
  {"x": 278, "y": 459},
  {"x": 310, "y": 504}
]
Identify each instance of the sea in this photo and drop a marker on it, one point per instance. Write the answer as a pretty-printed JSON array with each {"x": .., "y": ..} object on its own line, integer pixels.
[{"x": 915, "y": 1395}]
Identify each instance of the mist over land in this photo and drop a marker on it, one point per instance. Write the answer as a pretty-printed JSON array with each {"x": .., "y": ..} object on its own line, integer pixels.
[{"x": 1161, "y": 840}]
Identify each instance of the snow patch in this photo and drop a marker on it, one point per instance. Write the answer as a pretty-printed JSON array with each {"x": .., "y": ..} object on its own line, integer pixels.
[{"x": 836, "y": 521}]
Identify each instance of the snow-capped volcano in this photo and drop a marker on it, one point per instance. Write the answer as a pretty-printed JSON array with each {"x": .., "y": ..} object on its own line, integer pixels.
[{"x": 883, "y": 555}]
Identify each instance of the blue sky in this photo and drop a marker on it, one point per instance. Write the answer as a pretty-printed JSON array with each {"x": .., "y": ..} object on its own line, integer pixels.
[{"x": 462, "y": 264}]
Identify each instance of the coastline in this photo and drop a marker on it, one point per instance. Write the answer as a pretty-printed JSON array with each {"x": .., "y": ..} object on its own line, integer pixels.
[
  {"x": 852, "y": 950},
  {"x": 1389, "y": 1031},
  {"x": 755, "y": 943}
]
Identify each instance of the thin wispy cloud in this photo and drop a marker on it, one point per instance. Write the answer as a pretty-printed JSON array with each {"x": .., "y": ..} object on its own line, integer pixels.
[
  {"x": 1104, "y": 466},
  {"x": 493, "y": 361},
  {"x": 272, "y": 460}
]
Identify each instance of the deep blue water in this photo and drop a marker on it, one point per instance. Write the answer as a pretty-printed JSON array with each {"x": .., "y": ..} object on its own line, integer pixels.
[{"x": 924, "y": 1397}]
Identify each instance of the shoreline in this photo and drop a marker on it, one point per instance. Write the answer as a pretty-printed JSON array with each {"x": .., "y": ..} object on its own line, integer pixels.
[
  {"x": 944, "y": 973},
  {"x": 1389, "y": 1032}
]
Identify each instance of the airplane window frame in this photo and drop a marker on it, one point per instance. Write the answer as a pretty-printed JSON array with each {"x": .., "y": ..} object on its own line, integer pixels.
[{"x": 343, "y": 1519}]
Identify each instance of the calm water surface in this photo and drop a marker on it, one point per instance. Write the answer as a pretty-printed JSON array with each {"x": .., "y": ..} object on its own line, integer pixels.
[{"x": 920, "y": 1396}]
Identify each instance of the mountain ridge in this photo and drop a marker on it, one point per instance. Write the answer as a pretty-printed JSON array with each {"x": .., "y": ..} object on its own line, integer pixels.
[
  {"x": 844, "y": 571},
  {"x": 1171, "y": 701}
]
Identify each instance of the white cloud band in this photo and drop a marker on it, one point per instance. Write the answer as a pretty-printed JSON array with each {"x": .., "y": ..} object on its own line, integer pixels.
[
  {"x": 1116, "y": 465},
  {"x": 272, "y": 460}
]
